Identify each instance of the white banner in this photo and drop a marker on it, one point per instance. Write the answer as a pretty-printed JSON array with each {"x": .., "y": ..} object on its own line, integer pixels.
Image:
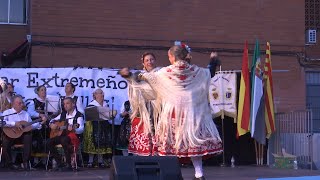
[
  {"x": 25, "y": 80},
  {"x": 223, "y": 92}
]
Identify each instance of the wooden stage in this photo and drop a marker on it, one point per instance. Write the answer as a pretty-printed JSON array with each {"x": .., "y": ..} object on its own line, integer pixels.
[{"x": 211, "y": 173}]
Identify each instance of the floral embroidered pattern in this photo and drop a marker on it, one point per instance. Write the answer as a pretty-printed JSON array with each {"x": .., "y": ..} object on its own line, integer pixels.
[
  {"x": 139, "y": 142},
  {"x": 181, "y": 71}
]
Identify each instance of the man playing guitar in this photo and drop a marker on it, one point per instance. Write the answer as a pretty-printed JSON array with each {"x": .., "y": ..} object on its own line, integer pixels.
[
  {"x": 13, "y": 118},
  {"x": 75, "y": 124}
]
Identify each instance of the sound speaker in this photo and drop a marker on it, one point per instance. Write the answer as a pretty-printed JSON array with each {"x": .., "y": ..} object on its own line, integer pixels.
[{"x": 145, "y": 168}]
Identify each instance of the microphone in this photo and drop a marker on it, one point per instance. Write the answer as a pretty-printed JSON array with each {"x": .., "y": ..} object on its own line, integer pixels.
[{"x": 59, "y": 94}]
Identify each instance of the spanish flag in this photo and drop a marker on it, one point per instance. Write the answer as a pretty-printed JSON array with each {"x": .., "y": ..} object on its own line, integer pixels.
[
  {"x": 268, "y": 91},
  {"x": 243, "y": 122}
]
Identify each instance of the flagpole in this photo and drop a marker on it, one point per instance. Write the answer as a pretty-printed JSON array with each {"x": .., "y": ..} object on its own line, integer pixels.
[{"x": 222, "y": 117}]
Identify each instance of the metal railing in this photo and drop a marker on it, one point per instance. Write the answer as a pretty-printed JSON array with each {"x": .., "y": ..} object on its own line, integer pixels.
[{"x": 294, "y": 135}]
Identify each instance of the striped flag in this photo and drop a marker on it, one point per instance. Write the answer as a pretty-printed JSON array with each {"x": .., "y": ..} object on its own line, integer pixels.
[
  {"x": 257, "y": 119},
  {"x": 268, "y": 91},
  {"x": 244, "y": 96}
]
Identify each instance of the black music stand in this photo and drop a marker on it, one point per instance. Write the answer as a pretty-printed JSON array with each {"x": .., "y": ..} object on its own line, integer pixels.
[
  {"x": 51, "y": 106},
  {"x": 92, "y": 114}
]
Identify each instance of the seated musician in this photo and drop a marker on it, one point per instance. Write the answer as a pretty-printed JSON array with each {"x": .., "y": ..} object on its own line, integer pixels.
[
  {"x": 69, "y": 90},
  {"x": 36, "y": 109},
  {"x": 73, "y": 123},
  {"x": 12, "y": 121}
]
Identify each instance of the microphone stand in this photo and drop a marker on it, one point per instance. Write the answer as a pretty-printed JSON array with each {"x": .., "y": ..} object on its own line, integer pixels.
[
  {"x": 112, "y": 130},
  {"x": 3, "y": 124}
]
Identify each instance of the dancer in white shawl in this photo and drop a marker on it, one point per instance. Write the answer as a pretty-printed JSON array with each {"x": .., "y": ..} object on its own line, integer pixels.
[
  {"x": 142, "y": 100},
  {"x": 185, "y": 127}
]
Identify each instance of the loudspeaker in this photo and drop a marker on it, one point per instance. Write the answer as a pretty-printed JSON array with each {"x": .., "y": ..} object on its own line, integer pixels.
[{"x": 145, "y": 168}]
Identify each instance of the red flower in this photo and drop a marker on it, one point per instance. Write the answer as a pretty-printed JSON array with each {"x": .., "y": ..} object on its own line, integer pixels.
[
  {"x": 182, "y": 67},
  {"x": 182, "y": 77},
  {"x": 169, "y": 70}
]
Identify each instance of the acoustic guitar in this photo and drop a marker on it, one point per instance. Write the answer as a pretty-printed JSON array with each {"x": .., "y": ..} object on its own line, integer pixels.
[
  {"x": 61, "y": 125},
  {"x": 14, "y": 132}
]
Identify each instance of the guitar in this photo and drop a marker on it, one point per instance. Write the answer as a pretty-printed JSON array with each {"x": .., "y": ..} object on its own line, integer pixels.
[
  {"x": 14, "y": 132},
  {"x": 61, "y": 125}
]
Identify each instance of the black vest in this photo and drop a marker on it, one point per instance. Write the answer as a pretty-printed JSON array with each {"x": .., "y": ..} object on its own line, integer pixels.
[
  {"x": 39, "y": 106},
  {"x": 64, "y": 115}
]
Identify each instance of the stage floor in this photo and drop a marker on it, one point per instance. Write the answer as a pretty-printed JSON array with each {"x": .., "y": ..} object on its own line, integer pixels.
[{"x": 211, "y": 172}]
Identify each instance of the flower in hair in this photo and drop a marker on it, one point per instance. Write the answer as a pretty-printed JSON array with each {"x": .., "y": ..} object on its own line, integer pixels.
[{"x": 183, "y": 45}]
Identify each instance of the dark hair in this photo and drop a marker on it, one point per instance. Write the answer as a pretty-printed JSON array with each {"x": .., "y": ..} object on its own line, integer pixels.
[
  {"x": 9, "y": 84},
  {"x": 146, "y": 54},
  {"x": 180, "y": 53},
  {"x": 73, "y": 86},
  {"x": 69, "y": 98},
  {"x": 36, "y": 90}
]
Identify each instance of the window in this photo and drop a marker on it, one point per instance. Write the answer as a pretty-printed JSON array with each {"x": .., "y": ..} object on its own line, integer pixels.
[
  {"x": 312, "y": 14},
  {"x": 13, "y": 12},
  {"x": 313, "y": 97}
]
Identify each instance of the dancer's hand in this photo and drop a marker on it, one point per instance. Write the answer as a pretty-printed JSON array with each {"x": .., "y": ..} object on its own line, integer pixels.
[
  {"x": 213, "y": 55},
  {"x": 124, "y": 72}
]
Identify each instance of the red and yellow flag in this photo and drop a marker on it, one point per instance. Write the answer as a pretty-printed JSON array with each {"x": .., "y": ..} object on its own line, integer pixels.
[
  {"x": 243, "y": 122},
  {"x": 268, "y": 91}
]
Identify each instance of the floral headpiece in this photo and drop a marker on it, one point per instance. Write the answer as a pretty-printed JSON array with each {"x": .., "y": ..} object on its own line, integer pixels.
[{"x": 183, "y": 45}]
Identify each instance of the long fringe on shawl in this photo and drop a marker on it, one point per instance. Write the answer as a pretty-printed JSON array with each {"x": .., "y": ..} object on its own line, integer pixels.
[
  {"x": 192, "y": 117},
  {"x": 141, "y": 97}
]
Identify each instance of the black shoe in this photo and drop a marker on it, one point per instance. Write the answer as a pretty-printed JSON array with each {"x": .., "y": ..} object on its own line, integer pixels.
[
  {"x": 13, "y": 167},
  {"x": 58, "y": 167},
  {"x": 68, "y": 167},
  {"x": 89, "y": 165},
  {"x": 200, "y": 178},
  {"x": 102, "y": 165},
  {"x": 26, "y": 167}
]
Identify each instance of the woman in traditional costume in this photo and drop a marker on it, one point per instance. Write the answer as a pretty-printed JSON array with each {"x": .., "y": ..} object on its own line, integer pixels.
[
  {"x": 184, "y": 127},
  {"x": 141, "y": 97},
  {"x": 97, "y": 133}
]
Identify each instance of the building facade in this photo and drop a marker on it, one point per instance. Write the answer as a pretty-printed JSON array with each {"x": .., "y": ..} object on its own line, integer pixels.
[{"x": 114, "y": 34}]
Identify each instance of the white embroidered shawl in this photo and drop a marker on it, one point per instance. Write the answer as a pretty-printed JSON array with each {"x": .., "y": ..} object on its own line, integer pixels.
[
  {"x": 142, "y": 100},
  {"x": 183, "y": 89}
]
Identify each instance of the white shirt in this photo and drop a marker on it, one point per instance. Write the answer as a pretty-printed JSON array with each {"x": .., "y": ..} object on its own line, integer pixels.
[
  {"x": 21, "y": 116},
  {"x": 80, "y": 121}
]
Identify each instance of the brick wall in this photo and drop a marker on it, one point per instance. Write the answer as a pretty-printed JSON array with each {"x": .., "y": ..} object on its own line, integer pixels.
[
  {"x": 11, "y": 36},
  {"x": 69, "y": 33}
]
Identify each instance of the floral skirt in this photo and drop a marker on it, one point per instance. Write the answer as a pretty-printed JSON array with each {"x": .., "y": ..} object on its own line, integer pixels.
[{"x": 140, "y": 143}]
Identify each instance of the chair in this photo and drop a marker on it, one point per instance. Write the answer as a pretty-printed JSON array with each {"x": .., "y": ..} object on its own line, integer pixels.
[
  {"x": 73, "y": 156},
  {"x": 40, "y": 156},
  {"x": 18, "y": 148}
]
